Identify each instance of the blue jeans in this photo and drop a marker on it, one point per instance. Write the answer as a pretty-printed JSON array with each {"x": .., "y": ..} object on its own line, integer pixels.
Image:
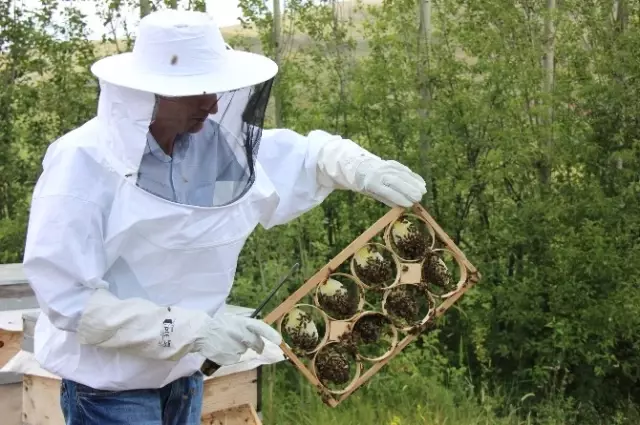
[{"x": 178, "y": 403}]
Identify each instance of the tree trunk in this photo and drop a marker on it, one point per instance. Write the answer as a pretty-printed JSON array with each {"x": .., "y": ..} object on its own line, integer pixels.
[
  {"x": 621, "y": 19},
  {"x": 277, "y": 48},
  {"x": 549, "y": 64},
  {"x": 620, "y": 15},
  {"x": 145, "y": 8},
  {"x": 424, "y": 46}
]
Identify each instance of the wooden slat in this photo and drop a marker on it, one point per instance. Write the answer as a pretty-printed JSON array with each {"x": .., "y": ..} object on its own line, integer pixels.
[
  {"x": 11, "y": 403},
  {"x": 419, "y": 209},
  {"x": 10, "y": 342},
  {"x": 240, "y": 415},
  {"x": 11, "y": 274},
  {"x": 41, "y": 401},
  {"x": 230, "y": 390},
  {"x": 412, "y": 274}
]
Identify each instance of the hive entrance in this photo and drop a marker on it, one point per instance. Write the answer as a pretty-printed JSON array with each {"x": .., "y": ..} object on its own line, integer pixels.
[{"x": 370, "y": 301}]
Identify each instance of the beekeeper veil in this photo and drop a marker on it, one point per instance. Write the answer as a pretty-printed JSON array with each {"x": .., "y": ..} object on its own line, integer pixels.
[{"x": 182, "y": 113}]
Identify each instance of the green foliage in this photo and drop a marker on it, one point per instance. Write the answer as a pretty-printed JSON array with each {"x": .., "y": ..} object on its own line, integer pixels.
[
  {"x": 41, "y": 65},
  {"x": 538, "y": 183}
]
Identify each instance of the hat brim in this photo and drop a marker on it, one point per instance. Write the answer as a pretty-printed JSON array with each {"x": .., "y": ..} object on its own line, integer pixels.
[{"x": 239, "y": 70}]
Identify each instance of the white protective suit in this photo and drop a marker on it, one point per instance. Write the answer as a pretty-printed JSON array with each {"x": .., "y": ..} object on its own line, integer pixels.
[{"x": 130, "y": 281}]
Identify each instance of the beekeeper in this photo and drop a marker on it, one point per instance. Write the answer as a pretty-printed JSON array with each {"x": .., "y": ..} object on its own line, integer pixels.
[{"x": 140, "y": 214}]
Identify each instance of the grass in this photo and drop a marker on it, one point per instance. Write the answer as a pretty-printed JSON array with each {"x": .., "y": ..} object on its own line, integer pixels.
[
  {"x": 420, "y": 388},
  {"x": 410, "y": 390},
  {"x": 399, "y": 400}
]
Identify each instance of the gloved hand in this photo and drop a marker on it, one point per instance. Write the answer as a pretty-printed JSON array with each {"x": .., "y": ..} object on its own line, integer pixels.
[
  {"x": 226, "y": 337},
  {"x": 343, "y": 163},
  {"x": 142, "y": 328}
]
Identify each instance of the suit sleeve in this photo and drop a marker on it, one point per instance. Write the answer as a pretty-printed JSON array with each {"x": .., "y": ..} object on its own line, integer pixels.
[
  {"x": 64, "y": 258},
  {"x": 290, "y": 161}
]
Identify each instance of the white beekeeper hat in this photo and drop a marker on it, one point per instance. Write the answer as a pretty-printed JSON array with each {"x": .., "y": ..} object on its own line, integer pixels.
[{"x": 182, "y": 53}]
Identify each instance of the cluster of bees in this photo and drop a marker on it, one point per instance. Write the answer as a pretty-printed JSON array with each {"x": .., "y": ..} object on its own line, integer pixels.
[{"x": 371, "y": 271}]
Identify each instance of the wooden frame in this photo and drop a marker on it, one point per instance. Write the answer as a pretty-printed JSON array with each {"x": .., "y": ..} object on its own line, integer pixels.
[{"x": 407, "y": 273}]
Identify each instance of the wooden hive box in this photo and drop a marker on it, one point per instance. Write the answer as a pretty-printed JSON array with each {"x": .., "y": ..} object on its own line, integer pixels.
[
  {"x": 234, "y": 397},
  {"x": 16, "y": 297},
  {"x": 371, "y": 300},
  {"x": 229, "y": 397},
  {"x": 10, "y": 335}
]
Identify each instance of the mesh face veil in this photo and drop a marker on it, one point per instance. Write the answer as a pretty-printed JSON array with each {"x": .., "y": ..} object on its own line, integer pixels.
[
  {"x": 182, "y": 113},
  {"x": 214, "y": 163}
]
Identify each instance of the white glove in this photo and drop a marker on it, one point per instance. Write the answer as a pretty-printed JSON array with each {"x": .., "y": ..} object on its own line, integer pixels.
[
  {"x": 142, "y": 328},
  {"x": 343, "y": 163}
]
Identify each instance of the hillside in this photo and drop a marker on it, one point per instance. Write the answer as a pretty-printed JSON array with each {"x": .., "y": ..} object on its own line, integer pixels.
[{"x": 247, "y": 38}]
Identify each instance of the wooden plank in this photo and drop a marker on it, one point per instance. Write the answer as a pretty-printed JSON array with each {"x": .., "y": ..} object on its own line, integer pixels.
[
  {"x": 41, "y": 401},
  {"x": 411, "y": 273},
  {"x": 10, "y": 342},
  {"x": 337, "y": 329},
  {"x": 230, "y": 390},
  {"x": 11, "y": 403},
  {"x": 13, "y": 320},
  {"x": 11, "y": 274},
  {"x": 17, "y": 296},
  {"x": 241, "y": 415},
  {"x": 16, "y": 290}
]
